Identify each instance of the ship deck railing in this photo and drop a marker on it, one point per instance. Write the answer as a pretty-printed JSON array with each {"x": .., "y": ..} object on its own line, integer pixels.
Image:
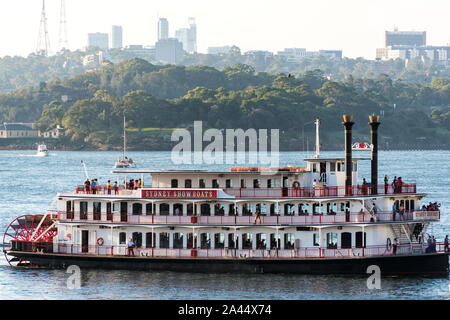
[
  {"x": 227, "y": 253},
  {"x": 278, "y": 192},
  {"x": 237, "y": 220}
]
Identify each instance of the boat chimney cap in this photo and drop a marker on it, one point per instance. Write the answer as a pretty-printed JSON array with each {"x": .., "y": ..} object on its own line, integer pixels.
[
  {"x": 374, "y": 119},
  {"x": 348, "y": 118}
]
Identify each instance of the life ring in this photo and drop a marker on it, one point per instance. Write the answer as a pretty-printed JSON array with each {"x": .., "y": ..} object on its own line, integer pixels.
[
  {"x": 100, "y": 241},
  {"x": 296, "y": 184},
  {"x": 388, "y": 244}
]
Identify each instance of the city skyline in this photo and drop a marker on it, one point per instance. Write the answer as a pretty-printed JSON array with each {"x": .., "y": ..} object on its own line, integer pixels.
[{"x": 354, "y": 27}]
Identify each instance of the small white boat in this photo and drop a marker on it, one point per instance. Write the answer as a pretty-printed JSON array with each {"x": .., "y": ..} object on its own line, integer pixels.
[
  {"x": 42, "y": 150},
  {"x": 125, "y": 162}
]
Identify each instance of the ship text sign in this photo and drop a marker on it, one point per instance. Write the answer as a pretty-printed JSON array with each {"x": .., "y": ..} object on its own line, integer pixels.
[{"x": 179, "y": 194}]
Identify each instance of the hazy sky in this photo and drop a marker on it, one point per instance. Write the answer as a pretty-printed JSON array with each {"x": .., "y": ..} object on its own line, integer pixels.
[{"x": 355, "y": 26}]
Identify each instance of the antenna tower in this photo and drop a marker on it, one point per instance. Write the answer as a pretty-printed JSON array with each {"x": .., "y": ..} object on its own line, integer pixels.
[
  {"x": 43, "y": 45},
  {"x": 63, "y": 42}
]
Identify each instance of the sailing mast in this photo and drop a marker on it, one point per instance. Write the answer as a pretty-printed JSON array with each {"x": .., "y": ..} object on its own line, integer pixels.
[{"x": 124, "y": 139}]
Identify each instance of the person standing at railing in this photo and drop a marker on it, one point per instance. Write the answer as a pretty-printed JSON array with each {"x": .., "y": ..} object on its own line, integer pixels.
[
  {"x": 373, "y": 213},
  {"x": 446, "y": 244},
  {"x": 115, "y": 187},
  {"x": 401, "y": 210},
  {"x": 258, "y": 216},
  {"x": 394, "y": 210},
  {"x": 87, "y": 186},
  {"x": 364, "y": 187},
  {"x": 94, "y": 186},
  {"x": 394, "y": 184},
  {"x": 130, "y": 247},
  {"x": 108, "y": 186},
  {"x": 386, "y": 184},
  {"x": 394, "y": 246},
  {"x": 399, "y": 185}
]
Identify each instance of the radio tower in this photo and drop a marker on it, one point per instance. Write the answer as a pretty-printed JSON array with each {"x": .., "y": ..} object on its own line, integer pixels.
[
  {"x": 43, "y": 45},
  {"x": 63, "y": 43}
]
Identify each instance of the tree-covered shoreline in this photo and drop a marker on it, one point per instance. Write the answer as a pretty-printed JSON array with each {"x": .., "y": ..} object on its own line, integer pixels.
[{"x": 156, "y": 99}]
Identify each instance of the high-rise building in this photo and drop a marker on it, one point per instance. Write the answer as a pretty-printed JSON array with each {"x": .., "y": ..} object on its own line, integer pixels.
[
  {"x": 99, "y": 40},
  {"x": 116, "y": 37},
  {"x": 169, "y": 50},
  {"x": 163, "y": 29},
  {"x": 188, "y": 36},
  {"x": 405, "y": 38}
]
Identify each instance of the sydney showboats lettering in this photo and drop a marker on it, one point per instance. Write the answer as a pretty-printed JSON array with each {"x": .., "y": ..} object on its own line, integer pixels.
[{"x": 179, "y": 194}]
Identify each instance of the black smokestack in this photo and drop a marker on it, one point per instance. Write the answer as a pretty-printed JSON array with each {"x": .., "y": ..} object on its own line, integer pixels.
[
  {"x": 348, "y": 124},
  {"x": 374, "y": 122}
]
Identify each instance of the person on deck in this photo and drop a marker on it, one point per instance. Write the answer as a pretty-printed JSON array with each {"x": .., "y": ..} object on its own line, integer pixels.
[
  {"x": 108, "y": 186},
  {"x": 446, "y": 244},
  {"x": 364, "y": 186},
  {"x": 386, "y": 184},
  {"x": 258, "y": 216},
  {"x": 130, "y": 247},
  {"x": 116, "y": 187}
]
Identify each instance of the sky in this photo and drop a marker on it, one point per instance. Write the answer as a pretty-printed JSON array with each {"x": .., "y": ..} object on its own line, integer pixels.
[{"x": 355, "y": 26}]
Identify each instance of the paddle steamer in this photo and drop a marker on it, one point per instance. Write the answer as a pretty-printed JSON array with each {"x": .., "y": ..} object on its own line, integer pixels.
[{"x": 314, "y": 219}]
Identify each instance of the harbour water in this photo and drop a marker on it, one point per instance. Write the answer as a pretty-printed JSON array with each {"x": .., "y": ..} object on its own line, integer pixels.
[{"x": 29, "y": 183}]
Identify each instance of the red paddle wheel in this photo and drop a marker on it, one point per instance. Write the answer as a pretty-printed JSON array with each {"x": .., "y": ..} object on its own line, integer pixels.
[{"x": 28, "y": 233}]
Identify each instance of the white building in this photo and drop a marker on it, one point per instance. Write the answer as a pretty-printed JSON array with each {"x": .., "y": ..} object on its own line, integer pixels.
[
  {"x": 163, "y": 29},
  {"x": 188, "y": 36},
  {"x": 99, "y": 40},
  {"x": 116, "y": 37}
]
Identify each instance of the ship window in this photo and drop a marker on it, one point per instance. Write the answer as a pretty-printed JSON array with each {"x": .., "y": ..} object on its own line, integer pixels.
[
  {"x": 332, "y": 166},
  {"x": 122, "y": 238},
  {"x": 97, "y": 210},
  {"x": 149, "y": 239},
  {"x": 262, "y": 208},
  {"x": 178, "y": 240},
  {"x": 205, "y": 240},
  {"x": 164, "y": 240},
  {"x": 164, "y": 209},
  {"x": 314, "y": 167},
  {"x": 338, "y": 166},
  {"x": 137, "y": 208},
  {"x": 243, "y": 183},
  {"x": 190, "y": 209},
  {"x": 289, "y": 241},
  {"x": 247, "y": 240},
  {"x": 302, "y": 209},
  {"x": 108, "y": 211},
  {"x": 116, "y": 207},
  {"x": 289, "y": 209},
  {"x": 83, "y": 210},
  {"x": 191, "y": 241},
  {"x": 261, "y": 241},
  {"x": 205, "y": 209},
  {"x": 256, "y": 183},
  {"x": 201, "y": 183},
  {"x": 177, "y": 209},
  {"x": 355, "y": 166},
  {"x": 274, "y": 209},
  {"x": 332, "y": 239},
  {"x": 188, "y": 183},
  {"x": 215, "y": 183},
  {"x": 219, "y": 241},
  {"x": 174, "y": 183},
  {"x": 137, "y": 239},
  {"x": 316, "y": 239},
  {"x": 219, "y": 209},
  {"x": 246, "y": 209},
  {"x": 346, "y": 240},
  {"x": 232, "y": 240},
  {"x": 274, "y": 240},
  {"x": 359, "y": 240},
  {"x": 149, "y": 208},
  {"x": 228, "y": 183}
]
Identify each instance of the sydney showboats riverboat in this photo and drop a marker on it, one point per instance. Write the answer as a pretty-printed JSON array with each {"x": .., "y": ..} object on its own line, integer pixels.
[{"x": 314, "y": 219}]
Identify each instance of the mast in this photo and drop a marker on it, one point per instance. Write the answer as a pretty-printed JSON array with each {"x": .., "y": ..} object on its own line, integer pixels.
[
  {"x": 317, "y": 155},
  {"x": 124, "y": 139}
]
